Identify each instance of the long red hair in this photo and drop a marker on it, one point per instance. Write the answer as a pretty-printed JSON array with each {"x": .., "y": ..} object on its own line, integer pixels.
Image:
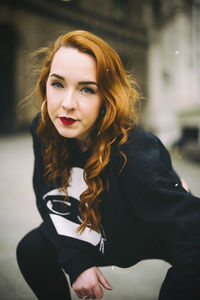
[{"x": 119, "y": 115}]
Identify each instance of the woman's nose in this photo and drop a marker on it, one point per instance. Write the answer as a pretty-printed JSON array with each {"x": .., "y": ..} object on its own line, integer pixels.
[{"x": 68, "y": 101}]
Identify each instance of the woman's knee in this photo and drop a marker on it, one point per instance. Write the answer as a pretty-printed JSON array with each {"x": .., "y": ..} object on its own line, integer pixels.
[
  {"x": 29, "y": 247},
  {"x": 37, "y": 260},
  {"x": 35, "y": 250}
]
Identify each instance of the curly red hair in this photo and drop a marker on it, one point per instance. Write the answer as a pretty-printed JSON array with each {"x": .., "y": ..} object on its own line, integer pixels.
[{"x": 119, "y": 99}]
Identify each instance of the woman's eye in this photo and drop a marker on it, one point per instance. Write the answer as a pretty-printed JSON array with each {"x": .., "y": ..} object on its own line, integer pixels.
[
  {"x": 57, "y": 84},
  {"x": 87, "y": 90}
]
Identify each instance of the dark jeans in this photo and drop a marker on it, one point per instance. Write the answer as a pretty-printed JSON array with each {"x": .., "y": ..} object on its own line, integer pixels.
[{"x": 38, "y": 263}]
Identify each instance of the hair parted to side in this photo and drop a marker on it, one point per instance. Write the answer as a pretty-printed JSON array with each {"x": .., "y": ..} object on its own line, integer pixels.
[{"x": 119, "y": 100}]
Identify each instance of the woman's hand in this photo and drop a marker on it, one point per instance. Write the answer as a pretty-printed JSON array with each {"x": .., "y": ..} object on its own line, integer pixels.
[
  {"x": 185, "y": 185},
  {"x": 87, "y": 285}
]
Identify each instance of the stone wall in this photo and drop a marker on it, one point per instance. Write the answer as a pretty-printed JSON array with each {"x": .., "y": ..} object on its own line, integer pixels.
[{"x": 36, "y": 23}]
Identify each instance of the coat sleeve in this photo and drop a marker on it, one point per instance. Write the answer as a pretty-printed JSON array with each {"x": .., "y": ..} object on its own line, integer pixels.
[
  {"x": 71, "y": 254},
  {"x": 168, "y": 214},
  {"x": 179, "y": 215}
]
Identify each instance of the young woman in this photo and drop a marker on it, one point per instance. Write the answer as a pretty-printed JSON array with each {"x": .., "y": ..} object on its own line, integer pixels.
[{"x": 105, "y": 188}]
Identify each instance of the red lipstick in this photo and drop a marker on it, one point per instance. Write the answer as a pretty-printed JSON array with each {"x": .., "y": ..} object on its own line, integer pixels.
[{"x": 67, "y": 121}]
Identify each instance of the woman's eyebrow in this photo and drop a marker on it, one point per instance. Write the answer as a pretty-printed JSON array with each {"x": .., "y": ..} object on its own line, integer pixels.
[
  {"x": 81, "y": 82},
  {"x": 57, "y": 76},
  {"x": 88, "y": 82}
]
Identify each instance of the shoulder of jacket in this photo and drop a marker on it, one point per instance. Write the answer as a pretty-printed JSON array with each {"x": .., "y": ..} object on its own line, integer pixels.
[
  {"x": 143, "y": 155},
  {"x": 34, "y": 124},
  {"x": 141, "y": 142}
]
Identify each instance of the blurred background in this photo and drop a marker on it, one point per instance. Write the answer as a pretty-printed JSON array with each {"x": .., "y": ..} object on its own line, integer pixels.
[{"x": 159, "y": 43}]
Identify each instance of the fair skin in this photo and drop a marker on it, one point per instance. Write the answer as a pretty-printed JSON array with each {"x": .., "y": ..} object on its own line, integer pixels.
[
  {"x": 89, "y": 284},
  {"x": 74, "y": 100},
  {"x": 74, "y": 103}
]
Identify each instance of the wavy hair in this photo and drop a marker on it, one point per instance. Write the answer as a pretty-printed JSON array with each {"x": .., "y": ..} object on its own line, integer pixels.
[{"x": 119, "y": 116}]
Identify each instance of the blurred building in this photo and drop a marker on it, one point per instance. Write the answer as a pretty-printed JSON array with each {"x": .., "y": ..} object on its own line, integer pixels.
[
  {"x": 158, "y": 41},
  {"x": 173, "y": 108},
  {"x": 26, "y": 25}
]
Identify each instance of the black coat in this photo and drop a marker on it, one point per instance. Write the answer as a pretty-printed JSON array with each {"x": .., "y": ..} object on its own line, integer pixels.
[{"x": 146, "y": 213}]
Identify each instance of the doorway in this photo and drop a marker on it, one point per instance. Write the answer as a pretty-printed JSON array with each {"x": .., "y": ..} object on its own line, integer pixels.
[{"x": 8, "y": 44}]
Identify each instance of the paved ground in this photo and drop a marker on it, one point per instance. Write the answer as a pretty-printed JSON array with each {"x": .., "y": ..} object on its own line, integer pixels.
[{"x": 18, "y": 215}]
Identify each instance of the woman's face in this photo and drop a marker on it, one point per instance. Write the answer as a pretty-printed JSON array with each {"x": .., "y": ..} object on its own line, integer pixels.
[{"x": 73, "y": 97}]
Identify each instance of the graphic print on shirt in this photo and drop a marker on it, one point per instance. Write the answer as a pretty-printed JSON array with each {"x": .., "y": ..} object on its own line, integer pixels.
[{"x": 65, "y": 214}]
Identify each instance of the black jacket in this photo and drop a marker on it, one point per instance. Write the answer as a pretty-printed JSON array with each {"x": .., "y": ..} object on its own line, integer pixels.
[{"x": 146, "y": 213}]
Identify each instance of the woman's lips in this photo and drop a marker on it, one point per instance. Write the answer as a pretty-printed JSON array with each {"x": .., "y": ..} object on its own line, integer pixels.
[{"x": 67, "y": 121}]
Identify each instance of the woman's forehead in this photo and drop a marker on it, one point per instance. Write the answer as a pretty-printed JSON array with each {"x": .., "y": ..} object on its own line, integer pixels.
[{"x": 69, "y": 60}]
